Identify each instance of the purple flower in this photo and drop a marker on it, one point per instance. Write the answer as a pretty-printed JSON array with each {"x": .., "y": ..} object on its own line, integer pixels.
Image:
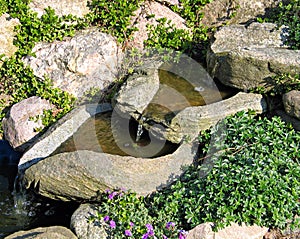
[
  {"x": 170, "y": 225},
  {"x": 145, "y": 236},
  {"x": 107, "y": 190},
  {"x": 112, "y": 195},
  {"x": 165, "y": 237},
  {"x": 182, "y": 234},
  {"x": 131, "y": 224},
  {"x": 151, "y": 233},
  {"x": 112, "y": 224},
  {"x": 128, "y": 233},
  {"x": 149, "y": 227},
  {"x": 106, "y": 218}
]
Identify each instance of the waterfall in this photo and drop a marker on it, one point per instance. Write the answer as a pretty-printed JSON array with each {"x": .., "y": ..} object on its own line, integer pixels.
[{"x": 140, "y": 129}]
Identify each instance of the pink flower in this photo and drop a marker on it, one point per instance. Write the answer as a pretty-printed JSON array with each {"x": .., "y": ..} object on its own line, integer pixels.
[
  {"x": 112, "y": 195},
  {"x": 182, "y": 234},
  {"x": 128, "y": 233},
  {"x": 112, "y": 224}
]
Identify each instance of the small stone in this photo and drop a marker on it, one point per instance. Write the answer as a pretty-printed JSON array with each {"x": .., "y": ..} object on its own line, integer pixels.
[
  {"x": 82, "y": 227},
  {"x": 291, "y": 102}
]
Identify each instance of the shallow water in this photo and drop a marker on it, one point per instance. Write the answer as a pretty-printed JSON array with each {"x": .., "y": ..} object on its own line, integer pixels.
[
  {"x": 117, "y": 136},
  {"x": 176, "y": 93}
]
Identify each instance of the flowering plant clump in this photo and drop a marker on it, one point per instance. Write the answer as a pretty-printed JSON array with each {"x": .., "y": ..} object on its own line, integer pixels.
[
  {"x": 126, "y": 216},
  {"x": 254, "y": 179}
]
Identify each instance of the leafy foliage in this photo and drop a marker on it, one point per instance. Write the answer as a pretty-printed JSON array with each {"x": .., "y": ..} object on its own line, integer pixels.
[
  {"x": 19, "y": 82},
  {"x": 288, "y": 13},
  {"x": 281, "y": 84},
  {"x": 3, "y": 8},
  {"x": 254, "y": 177},
  {"x": 192, "y": 41},
  {"x": 114, "y": 17},
  {"x": 45, "y": 29},
  {"x": 166, "y": 35}
]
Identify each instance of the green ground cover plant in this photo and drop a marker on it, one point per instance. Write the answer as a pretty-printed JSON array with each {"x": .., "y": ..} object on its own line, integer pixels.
[
  {"x": 281, "y": 84},
  {"x": 193, "y": 41},
  {"x": 114, "y": 17},
  {"x": 3, "y": 5},
  {"x": 254, "y": 178}
]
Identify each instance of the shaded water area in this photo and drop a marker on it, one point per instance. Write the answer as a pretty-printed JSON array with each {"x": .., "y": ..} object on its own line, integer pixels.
[
  {"x": 179, "y": 92},
  {"x": 24, "y": 210}
]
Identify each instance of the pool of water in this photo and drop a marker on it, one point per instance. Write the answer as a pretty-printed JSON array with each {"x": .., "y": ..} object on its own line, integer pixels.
[
  {"x": 117, "y": 136},
  {"x": 177, "y": 92}
]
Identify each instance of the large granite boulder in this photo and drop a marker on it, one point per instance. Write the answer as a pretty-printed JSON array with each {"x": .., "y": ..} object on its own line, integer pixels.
[
  {"x": 59, "y": 133},
  {"x": 248, "y": 57},
  {"x": 77, "y": 8},
  {"x": 221, "y": 12},
  {"x": 291, "y": 102},
  {"x": 82, "y": 175},
  {"x": 81, "y": 225},
  {"x": 76, "y": 65},
  {"x": 234, "y": 231},
  {"x": 22, "y": 124},
  {"x": 7, "y": 34},
  {"x": 54, "y": 232}
]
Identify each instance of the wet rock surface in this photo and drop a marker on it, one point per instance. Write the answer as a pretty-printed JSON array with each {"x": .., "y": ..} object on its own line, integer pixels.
[{"x": 60, "y": 132}]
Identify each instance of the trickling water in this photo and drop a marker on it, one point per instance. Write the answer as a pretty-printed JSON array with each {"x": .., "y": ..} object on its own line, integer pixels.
[
  {"x": 140, "y": 129},
  {"x": 21, "y": 210}
]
